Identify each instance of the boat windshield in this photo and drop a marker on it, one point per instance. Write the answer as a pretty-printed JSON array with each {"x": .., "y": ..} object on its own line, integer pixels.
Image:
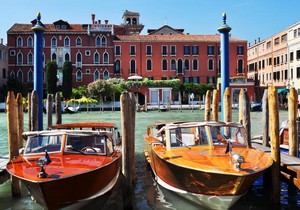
[
  {"x": 89, "y": 143},
  {"x": 42, "y": 143},
  {"x": 223, "y": 134}
]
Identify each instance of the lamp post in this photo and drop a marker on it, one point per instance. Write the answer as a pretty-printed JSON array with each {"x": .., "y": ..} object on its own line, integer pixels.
[
  {"x": 38, "y": 30},
  {"x": 224, "y": 30}
]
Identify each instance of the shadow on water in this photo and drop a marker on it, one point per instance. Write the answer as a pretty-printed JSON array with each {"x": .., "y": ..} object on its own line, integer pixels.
[{"x": 148, "y": 195}]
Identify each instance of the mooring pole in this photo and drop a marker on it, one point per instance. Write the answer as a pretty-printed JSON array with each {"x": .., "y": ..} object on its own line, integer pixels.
[
  {"x": 293, "y": 137},
  {"x": 128, "y": 140},
  {"x": 207, "y": 105},
  {"x": 215, "y": 105},
  {"x": 38, "y": 30},
  {"x": 13, "y": 141},
  {"x": 224, "y": 30},
  {"x": 275, "y": 150}
]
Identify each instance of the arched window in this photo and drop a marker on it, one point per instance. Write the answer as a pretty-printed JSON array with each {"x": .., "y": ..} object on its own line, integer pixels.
[
  {"x": 173, "y": 64},
  {"x": 210, "y": 65},
  {"x": 240, "y": 66},
  {"x": 30, "y": 76},
  {"x": 53, "y": 57},
  {"x": 30, "y": 42},
  {"x": 19, "y": 42},
  {"x": 195, "y": 64},
  {"x": 186, "y": 64},
  {"x": 164, "y": 65},
  {"x": 132, "y": 67},
  {"x": 149, "y": 65},
  {"x": 78, "y": 41},
  {"x": 53, "y": 42},
  {"x": 20, "y": 58},
  {"x": 78, "y": 57},
  {"x": 29, "y": 59},
  {"x": 179, "y": 68},
  {"x": 96, "y": 57},
  {"x": 98, "y": 41},
  {"x": 105, "y": 75},
  {"x": 96, "y": 75},
  {"x": 105, "y": 58},
  {"x": 67, "y": 57},
  {"x": 67, "y": 42},
  {"x": 79, "y": 76},
  {"x": 12, "y": 74},
  {"x": 117, "y": 67},
  {"x": 134, "y": 21},
  {"x": 20, "y": 76},
  {"x": 103, "y": 41}
]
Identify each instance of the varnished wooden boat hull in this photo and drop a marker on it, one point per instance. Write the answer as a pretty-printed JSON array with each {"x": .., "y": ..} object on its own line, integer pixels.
[
  {"x": 60, "y": 190},
  {"x": 213, "y": 187}
]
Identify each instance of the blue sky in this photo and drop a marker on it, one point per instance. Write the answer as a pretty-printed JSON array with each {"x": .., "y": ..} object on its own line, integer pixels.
[{"x": 249, "y": 19}]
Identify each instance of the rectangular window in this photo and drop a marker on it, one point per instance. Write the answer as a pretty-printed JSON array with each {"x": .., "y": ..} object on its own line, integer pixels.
[
  {"x": 164, "y": 50},
  {"x": 295, "y": 33},
  {"x": 291, "y": 56},
  {"x": 210, "y": 50},
  {"x": 118, "y": 50},
  {"x": 148, "y": 50},
  {"x": 292, "y": 71},
  {"x": 132, "y": 50},
  {"x": 268, "y": 45},
  {"x": 298, "y": 72},
  {"x": 186, "y": 80},
  {"x": 173, "y": 50},
  {"x": 195, "y": 50},
  {"x": 283, "y": 38},
  {"x": 164, "y": 78},
  {"x": 277, "y": 41},
  {"x": 298, "y": 55},
  {"x": 186, "y": 50},
  {"x": 240, "y": 50},
  {"x": 195, "y": 79}
]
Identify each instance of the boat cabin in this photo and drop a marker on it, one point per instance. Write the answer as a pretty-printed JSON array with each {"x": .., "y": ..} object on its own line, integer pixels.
[
  {"x": 69, "y": 141},
  {"x": 208, "y": 134}
]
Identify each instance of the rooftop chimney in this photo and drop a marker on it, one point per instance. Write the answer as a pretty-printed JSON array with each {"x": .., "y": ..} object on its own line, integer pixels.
[
  {"x": 254, "y": 41},
  {"x": 99, "y": 22},
  {"x": 93, "y": 18},
  {"x": 258, "y": 39},
  {"x": 1, "y": 41},
  {"x": 106, "y": 21}
]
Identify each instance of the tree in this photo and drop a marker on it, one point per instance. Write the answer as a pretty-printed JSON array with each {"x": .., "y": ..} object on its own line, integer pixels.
[
  {"x": 67, "y": 80},
  {"x": 51, "y": 77},
  {"x": 13, "y": 84}
]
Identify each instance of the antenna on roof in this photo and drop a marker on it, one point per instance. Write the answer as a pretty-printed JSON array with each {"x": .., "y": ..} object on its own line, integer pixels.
[{"x": 166, "y": 21}]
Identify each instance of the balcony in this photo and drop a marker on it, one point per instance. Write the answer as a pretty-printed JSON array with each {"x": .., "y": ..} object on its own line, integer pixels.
[{"x": 78, "y": 64}]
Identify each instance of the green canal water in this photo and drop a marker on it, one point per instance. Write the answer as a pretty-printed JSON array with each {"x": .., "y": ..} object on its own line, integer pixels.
[{"x": 148, "y": 195}]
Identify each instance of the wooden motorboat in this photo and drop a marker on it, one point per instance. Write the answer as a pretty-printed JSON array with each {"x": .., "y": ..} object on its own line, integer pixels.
[
  {"x": 69, "y": 164},
  {"x": 209, "y": 163},
  {"x": 284, "y": 137}
]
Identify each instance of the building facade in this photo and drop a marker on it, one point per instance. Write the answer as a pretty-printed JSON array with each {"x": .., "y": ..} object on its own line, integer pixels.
[
  {"x": 101, "y": 50},
  {"x": 3, "y": 63},
  {"x": 276, "y": 61}
]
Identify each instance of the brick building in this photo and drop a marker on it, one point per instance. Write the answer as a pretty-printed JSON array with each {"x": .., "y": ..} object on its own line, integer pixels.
[{"x": 101, "y": 50}]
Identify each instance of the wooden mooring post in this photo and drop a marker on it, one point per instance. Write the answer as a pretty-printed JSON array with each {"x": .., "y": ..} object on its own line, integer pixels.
[
  {"x": 292, "y": 109},
  {"x": 215, "y": 105},
  {"x": 58, "y": 108},
  {"x": 13, "y": 138},
  {"x": 49, "y": 110},
  {"x": 20, "y": 119},
  {"x": 265, "y": 119},
  {"x": 128, "y": 140},
  {"x": 227, "y": 105},
  {"x": 275, "y": 150},
  {"x": 207, "y": 105},
  {"x": 244, "y": 112}
]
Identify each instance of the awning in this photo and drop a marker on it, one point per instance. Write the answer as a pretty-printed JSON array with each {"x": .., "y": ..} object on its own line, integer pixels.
[{"x": 282, "y": 90}]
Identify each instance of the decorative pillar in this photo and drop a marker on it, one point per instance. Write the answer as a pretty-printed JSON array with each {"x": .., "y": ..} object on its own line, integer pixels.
[
  {"x": 224, "y": 30},
  {"x": 38, "y": 31}
]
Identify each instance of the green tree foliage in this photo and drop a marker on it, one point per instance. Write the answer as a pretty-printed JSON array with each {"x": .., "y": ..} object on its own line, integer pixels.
[
  {"x": 67, "y": 80},
  {"x": 13, "y": 84},
  {"x": 51, "y": 78},
  {"x": 79, "y": 92}
]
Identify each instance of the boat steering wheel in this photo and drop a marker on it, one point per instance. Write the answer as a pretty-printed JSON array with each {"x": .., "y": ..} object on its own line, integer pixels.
[{"x": 85, "y": 149}]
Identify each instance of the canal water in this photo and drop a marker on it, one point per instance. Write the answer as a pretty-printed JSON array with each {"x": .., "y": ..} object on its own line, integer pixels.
[{"x": 148, "y": 195}]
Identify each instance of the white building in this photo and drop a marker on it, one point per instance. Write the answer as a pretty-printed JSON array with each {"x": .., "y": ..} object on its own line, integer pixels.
[{"x": 294, "y": 57}]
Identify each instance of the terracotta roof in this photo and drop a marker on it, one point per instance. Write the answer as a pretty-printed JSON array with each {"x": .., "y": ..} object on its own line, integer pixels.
[
  {"x": 18, "y": 27},
  {"x": 174, "y": 38}
]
